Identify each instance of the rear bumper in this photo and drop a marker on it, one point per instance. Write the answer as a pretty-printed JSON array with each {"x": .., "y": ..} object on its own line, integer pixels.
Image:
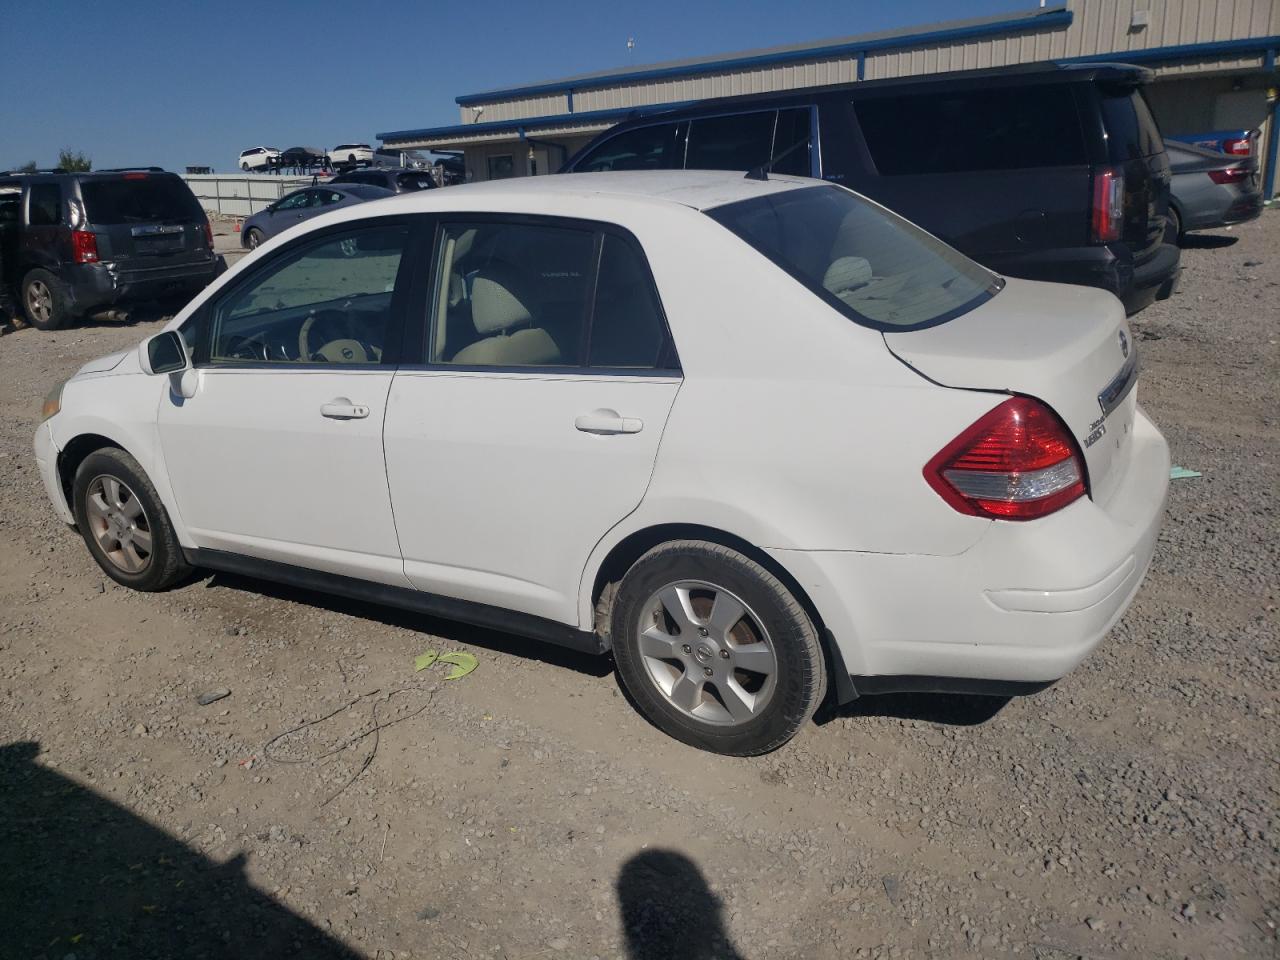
[
  {"x": 95, "y": 285},
  {"x": 1235, "y": 208},
  {"x": 1137, "y": 284},
  {"x": 1021, "y": 608}
]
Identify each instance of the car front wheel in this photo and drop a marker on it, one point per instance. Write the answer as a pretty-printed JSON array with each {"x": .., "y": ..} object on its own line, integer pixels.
[
  {"x": 715, "y": 650},
  {"x": 253, "y": 239},
  {"x": 124, "y": 524}
]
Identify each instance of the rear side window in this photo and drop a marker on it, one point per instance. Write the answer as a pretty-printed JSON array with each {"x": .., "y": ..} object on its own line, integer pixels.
[
  {"x": 868, "y": 263},
  {"x": 138, "y": 200},
  {"x": 737, "y": 142},
  {"x": 44, "y": 206},
  {"x": 1024, "y": 127},
  {"x": 627, "y": 329},
  {"x": 659, "y": 147},
  {"x": 1132, "y": 132}
]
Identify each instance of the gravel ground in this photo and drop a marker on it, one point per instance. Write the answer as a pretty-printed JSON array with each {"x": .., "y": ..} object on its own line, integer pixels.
[{"x": 526, "y": 811}]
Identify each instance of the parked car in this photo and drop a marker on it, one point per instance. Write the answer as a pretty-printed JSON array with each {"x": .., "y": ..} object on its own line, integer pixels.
[
  {"x": 758, "y": 438},
  {"x": 85, "y": 242},
  {"x": 304, "y": 159},
  {"x": 1210, "y": 189},
  {"x": 351, "y": 155},
  {"x": 1045, "y": 172},
  {"x": 258, "y": 158},
  {"x": 397, "y": 181},
  {"x": 294, "y": 208},
  {"x": 1238, "y": 143}
]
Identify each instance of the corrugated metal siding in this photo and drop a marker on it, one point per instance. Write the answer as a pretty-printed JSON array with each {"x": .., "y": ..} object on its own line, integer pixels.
[{"x": 1098, "y": 27}]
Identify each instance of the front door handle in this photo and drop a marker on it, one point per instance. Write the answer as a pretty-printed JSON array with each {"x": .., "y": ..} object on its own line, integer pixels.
[
  {"x": 606, "y": 422},
  {"x": 341, "y": 408}
]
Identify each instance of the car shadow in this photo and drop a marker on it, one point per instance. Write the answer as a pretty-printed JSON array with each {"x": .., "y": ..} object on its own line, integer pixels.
[
  {"x": 1207, "y": 241},
  {"x": 947, "y": 709},
  {"x": 669, "y": 912},
  {"x": 450, "y": 631},
  {"x": 84, "y": 877}
]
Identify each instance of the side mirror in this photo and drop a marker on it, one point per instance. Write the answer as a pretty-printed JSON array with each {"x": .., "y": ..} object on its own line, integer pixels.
[{"x": 163, "y": 353}]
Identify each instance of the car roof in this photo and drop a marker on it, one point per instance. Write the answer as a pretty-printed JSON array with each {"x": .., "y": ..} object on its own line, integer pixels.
[{"x": 697, "y": 189}]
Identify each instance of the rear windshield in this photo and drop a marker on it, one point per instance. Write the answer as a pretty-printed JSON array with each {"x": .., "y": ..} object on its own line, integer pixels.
[
  {"x": 138, "y": 200},
  {"x": 868, "y": 263},
  {"x": 1132, "y": 132}
]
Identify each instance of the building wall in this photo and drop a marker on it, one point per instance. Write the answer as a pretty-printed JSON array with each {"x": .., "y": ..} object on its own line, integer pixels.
[{"x": 1097, "y": 27}]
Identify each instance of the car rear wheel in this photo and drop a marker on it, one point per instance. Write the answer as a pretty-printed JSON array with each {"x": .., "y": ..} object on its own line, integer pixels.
[
  {"x": 124, "y": 524},
  {"x": 253, "y": 238},
  {"x": 45, "y": 300},
  {"x": 715, "y": 650}
]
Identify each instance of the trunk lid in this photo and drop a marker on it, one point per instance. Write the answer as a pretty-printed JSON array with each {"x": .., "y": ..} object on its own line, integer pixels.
[
  {"x": 145, "y": 219},
  {"x": 1067, "y": 346}
]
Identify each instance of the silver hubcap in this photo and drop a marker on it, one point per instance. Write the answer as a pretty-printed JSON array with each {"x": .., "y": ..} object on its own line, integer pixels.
[
  {"x": 39, "y": 301},
  {"x": 119, "y": 524},
  {"x": 707, "y": 652},
  {"x": 253, "y": 239}
]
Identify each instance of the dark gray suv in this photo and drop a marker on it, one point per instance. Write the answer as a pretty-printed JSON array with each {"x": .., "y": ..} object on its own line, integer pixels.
[{"x": 78, "y": 243}]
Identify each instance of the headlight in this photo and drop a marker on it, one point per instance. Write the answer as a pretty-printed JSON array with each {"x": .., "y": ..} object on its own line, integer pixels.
[{"x": 52, "y": 402}]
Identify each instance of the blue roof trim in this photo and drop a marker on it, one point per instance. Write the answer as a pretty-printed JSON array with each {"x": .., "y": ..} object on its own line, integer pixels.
[
  {"x": 1182, "y": 51},
  {"x": 1050, "y": 20},
  {"x": 518, "y": 125}
]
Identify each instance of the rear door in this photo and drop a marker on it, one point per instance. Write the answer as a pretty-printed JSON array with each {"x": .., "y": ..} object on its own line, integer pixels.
[
  {"x": 533, "y": 425},
  {"x": 995, "y": 172},
  {"x": 145, "y": 219}
]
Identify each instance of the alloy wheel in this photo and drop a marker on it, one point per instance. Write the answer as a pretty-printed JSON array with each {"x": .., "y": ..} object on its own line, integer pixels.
[
  {"x": 119, "y": 524},
  {"x": 707, "y": 652},
  {"x": 39, "y": 301}
]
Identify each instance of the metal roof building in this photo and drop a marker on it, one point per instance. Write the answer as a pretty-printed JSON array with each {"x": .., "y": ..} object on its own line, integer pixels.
[{"x": 1215, "y": 62}]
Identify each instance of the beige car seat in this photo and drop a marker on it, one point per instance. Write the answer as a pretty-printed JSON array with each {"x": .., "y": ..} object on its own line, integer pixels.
[{"x": 505, "y": 324}]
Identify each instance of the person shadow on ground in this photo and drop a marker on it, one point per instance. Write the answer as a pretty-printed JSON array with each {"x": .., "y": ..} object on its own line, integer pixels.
[
  {"x": 82, "y": 877},
  {"x": 669, "y": 912}
]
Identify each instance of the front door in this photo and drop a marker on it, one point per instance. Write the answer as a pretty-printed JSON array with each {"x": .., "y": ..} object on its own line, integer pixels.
[
  {"x": 533, "y": 426},
  {"x": 279, "y": 453}
]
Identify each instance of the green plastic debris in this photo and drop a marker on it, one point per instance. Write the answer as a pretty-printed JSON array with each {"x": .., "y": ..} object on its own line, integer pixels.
[
  {"x": 1182, "y": 473},
  {"x": 463, "y": 663},
  {"x": 424, "y": 660}
]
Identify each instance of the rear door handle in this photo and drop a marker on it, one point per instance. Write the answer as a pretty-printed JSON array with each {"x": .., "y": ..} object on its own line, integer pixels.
[
  {"x": 341, "y": 408},
  {"x": 606, "y": 422}
]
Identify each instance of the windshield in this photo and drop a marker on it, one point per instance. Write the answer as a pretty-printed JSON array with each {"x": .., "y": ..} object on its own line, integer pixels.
[
  {"x": 140, "y": 200},
  {"x": 868, "y": 263}
]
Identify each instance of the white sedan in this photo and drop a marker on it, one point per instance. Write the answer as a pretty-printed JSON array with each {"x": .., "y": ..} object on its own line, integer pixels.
[{"x": 762, "y": 440}]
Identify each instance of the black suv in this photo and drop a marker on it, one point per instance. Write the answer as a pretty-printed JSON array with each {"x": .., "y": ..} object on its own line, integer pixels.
[
  {"x": 76, "y": 243},
  {"x": 1047, "y": 171},
  {"x": 399, "y": 181}
]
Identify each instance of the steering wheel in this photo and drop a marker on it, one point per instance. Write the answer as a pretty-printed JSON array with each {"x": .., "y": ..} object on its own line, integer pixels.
[
  {"x": 248, "y": 348},
  {"x": 340, "y": 350}
]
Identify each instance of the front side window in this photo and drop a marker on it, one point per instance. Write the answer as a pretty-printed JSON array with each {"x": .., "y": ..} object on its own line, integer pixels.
[
  {"x": 44, "y": 206},
  {"x": 328, "y": 302},
  {"x": 868, "y": 263},
  {"x": 738, "y": 142},
  {"x": 1002, "y": 129},
  {"x": 659, "y": 147},
  {"x": 512, "y": 294},
  {"x": 295, "y": 201}
]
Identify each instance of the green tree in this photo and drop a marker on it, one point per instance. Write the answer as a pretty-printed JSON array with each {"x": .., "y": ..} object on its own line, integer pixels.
[
  {"x": 74, "y": 161},
  {"x": 29, "y": 167}
]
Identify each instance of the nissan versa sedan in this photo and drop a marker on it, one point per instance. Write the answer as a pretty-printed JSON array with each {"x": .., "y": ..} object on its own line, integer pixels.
[{"x": 759, "y": 438}]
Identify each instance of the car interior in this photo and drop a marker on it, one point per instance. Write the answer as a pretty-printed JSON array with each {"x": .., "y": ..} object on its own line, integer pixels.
[
  {"x": 331, "y": 303},
  {"x": 512, "y": 295}
]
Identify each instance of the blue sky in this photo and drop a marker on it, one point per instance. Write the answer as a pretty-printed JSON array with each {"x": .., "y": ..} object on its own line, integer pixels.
[{"x": 174, "y": 82}]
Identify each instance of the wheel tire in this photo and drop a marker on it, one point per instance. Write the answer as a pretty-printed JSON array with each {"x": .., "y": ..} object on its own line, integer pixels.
[
  {"x": 164, "y": 563},
  {"x": 253, "y": 238},
  {"x": 1173, "y": 227},
  {"x": 771, "y": 616},
  {"x": 45, "y": 300},
  {"x": 244, "y": 167}
]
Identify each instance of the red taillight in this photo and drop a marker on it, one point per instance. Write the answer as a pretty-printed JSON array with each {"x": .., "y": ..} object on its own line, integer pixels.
[
  {"x": 135, "y": 176},
  {"x": 208, "y": 234},
  {"x": 1238, "y": 146},
  {"x": 1108, "y": 204},
  {"x": 84, "y": 246},
  {"x": 1017, "y": 462},
  {"x": 1229, "y": 175}
]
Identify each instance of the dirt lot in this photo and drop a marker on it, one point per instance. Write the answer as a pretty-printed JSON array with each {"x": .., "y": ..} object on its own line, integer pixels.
[{"x": 526, "y": 811}]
